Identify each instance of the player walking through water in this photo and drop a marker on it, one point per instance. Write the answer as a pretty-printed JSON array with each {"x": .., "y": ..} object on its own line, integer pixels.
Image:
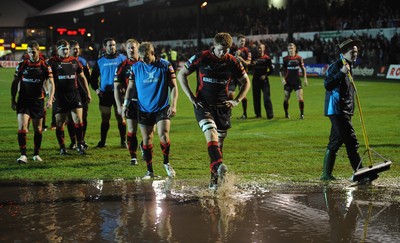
[
  {"x": 155, "y": 82},
  {"x": 215, "y": 69}
]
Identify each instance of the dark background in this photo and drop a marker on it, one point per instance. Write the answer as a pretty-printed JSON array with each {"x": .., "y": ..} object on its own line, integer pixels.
[{"x": 42, "y": 4}]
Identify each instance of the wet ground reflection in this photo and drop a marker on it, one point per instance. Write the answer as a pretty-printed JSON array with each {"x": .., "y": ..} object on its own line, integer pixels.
[{"x": 170, "y": 211}]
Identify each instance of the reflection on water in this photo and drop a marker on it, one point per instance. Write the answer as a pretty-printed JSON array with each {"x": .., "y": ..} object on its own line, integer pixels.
[{"x": 169, "y": 211}]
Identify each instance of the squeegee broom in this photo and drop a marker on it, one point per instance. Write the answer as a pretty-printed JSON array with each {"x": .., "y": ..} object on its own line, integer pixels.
[{"x": 372, "y": 170}]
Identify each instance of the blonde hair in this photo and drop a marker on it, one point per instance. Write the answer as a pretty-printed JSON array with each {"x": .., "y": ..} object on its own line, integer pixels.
[
  {"x": 145, "y": 47},
  {"x": 133, "y": 41}
]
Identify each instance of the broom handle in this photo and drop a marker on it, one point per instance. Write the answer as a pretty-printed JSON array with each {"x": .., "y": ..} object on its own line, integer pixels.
[{"x": 364, "y": 131}]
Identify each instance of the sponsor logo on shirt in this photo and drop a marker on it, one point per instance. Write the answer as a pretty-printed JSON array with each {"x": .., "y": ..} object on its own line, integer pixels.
[
  {"x": 31, "y": 80},
  {"x": 215, "y": 80},
  {"x": 151, "y": 78},
  {"x": 66, "y": 77},
  {"x": 110, "y": 64}
]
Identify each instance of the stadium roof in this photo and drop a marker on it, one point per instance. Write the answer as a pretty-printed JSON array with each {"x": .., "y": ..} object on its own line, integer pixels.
[
  {"x": 73, "y": 5},
  {"x": 8, "y": 18}
]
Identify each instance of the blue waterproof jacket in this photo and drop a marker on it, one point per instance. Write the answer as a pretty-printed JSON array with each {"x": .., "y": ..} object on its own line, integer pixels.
[{"x": 339, "y": 95}]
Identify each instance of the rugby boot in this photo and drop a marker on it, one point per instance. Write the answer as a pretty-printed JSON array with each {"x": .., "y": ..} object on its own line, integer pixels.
[
  {"x": 213, "y": 181},
  {"x": 81, "y": 149},
  {"x": 220, "y": 174},
  {"x": 22, "y": 159},
  {"x": 134, "y": 161},
  {"x": 101, "y": 144},
  {"x": 170, "y": 171}
]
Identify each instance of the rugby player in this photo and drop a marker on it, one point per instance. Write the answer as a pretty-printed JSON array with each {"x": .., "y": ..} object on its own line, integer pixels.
[
  {"x": 262, "y": 69},
  {"x": 289, "y": 74},
  {"x": 75, "y": 52},
  {"x": 121, "y": 82},
  {"x": 29, "y": 81},
  {"x": 67, "y": 72},
  {"x": 157, "y": 91},
  {"x": 105, "y": 69},
  {"x": 215, "y": 69},
  {"x": 243, "y": 54}
]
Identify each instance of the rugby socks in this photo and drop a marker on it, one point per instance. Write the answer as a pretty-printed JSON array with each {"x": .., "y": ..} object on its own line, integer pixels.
[
  {"x": 132, "y": 144},
  {"x": 165, "y": 151},
  {"x": 84, "y": 128},
  {"x": 301, "y": 106},
  {"x": 286, "y": 107},
  {"x": 105, "y": 126},
  {"x": 221, "y": 146},
  {"x": 221, "y": 138},
  {"x": 71, "y": 131},
  {"x": 37, "y": 141},
  {"x": 78, "y": 128},
  {"x": 244, "y": 106},
  {"x": 60, "y": 137},
  {"x": 122, "y": 131},
  {"x": 44, "y": 119},
  {"x": 22, "y": 141},
  {"x": 215, "y": 156},
  {"x": 148, "y": 156}
]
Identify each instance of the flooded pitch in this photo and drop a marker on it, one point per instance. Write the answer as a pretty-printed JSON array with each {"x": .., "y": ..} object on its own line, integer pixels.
[{"x": 174, "y": 211}]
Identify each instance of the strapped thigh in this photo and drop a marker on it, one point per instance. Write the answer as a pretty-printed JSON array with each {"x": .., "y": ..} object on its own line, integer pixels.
[
  {"x": 222, "y": 133},
  {"x": 207, "y": 124}
]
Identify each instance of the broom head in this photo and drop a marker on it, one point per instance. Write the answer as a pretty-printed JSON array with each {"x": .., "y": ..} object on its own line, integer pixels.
[{"x": 371, "y": 171}]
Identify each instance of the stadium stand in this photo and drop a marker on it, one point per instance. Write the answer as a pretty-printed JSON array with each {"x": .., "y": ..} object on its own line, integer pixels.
[{"x": 177, "y": 20}]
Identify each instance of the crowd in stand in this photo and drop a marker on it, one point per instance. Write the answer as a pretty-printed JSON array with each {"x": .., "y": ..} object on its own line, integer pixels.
[
  {"x": 307, "y": 16},
  {"x": 256, "y": 19},
  {"x": 375, "y": 50}
]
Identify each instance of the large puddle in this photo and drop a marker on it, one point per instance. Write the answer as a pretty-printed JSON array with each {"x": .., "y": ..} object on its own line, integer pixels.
[{"x": 172, "y": 211}]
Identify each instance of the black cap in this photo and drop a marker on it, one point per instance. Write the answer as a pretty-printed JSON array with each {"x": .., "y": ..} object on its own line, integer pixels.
[{"x": 348, "y": 44}]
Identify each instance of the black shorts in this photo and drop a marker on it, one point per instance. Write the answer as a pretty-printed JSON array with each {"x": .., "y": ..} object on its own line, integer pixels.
[
  {"x": 107, "y": 99},
  {"x": 132, "y": 111},
  {"x": 85, "y": 107},
  {"x": 220, "y": 114},
  {"x": 67, "y": 102},
  {"x": 32, "y": 107},
  {"x": 151, "y": 118},
  {"x": 290, "y": 86},
  {"x": 84, "y": 97}
]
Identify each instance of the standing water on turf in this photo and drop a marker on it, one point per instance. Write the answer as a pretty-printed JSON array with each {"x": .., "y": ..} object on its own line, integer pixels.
[{"x": 170, "y": 211}]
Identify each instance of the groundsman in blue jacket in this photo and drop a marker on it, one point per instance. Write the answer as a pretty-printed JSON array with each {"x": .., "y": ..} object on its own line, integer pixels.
[{"x": 339, "y": 107}]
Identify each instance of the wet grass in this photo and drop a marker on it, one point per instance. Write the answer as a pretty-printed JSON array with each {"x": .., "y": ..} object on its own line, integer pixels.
[{"x": 280, "y": 150}]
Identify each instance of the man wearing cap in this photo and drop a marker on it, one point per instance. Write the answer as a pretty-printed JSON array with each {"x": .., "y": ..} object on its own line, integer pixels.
[{"x": 339, "y": 107}]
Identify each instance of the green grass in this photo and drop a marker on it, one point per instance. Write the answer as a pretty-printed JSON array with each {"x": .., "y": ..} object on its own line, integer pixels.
[{"x": 278, "y": 149}]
